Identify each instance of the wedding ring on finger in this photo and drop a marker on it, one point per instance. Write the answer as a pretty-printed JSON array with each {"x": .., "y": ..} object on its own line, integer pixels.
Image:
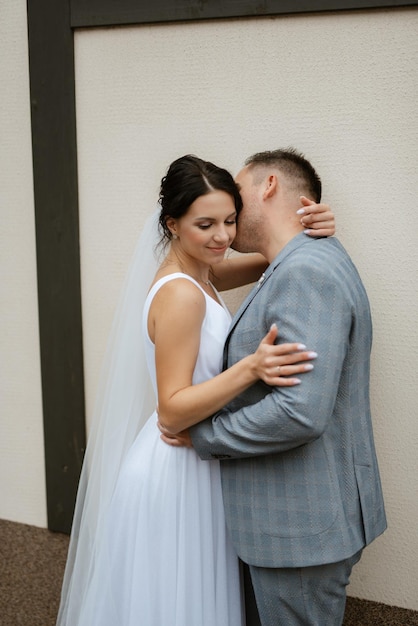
[{"x": 278, "y": 370}]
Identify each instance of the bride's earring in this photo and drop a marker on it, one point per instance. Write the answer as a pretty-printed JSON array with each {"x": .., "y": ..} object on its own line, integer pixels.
[{"x": 175, "y": 236}]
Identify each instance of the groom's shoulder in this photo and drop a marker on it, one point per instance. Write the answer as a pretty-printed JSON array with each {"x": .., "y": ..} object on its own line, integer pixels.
[
  {"x": 318, "y": 251},
  {"x": 312, "y": 260}
]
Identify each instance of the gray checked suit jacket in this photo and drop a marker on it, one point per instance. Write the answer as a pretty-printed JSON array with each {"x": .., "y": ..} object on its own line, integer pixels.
[{"x": 299, "y": 471}]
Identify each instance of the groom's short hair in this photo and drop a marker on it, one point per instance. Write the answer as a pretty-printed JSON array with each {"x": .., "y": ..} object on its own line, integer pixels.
[{"x": 293, "y": 165}]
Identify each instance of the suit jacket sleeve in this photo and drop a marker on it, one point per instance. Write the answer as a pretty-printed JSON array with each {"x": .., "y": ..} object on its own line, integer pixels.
[{"x": 310, "y": 303}]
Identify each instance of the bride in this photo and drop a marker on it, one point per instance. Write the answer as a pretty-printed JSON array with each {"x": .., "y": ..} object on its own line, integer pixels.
[{"x": 149, "y": 545}]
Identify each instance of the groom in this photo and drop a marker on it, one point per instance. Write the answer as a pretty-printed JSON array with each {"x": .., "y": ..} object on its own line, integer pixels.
[{"x": 300, "y": 479}]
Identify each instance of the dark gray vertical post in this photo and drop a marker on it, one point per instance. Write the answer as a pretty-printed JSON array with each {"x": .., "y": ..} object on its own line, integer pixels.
[{"x": 51, "y": 58}]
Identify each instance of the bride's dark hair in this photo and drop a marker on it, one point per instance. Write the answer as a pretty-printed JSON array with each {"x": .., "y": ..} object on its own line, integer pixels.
[{"x": 187, "y": 179}]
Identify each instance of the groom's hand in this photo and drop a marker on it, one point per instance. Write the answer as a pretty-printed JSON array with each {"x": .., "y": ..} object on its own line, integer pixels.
[{"x": 181, "y": 440}]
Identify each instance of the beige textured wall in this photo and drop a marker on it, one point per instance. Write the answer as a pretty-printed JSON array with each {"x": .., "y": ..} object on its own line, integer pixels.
[
  {"x": 22, "y": 475},
  {"x": 340, "y": 87}
]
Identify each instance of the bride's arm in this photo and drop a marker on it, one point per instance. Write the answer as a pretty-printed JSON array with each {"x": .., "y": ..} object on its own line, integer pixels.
[
  {"x": 236, "y": 271},
  {"x": 175, "y": 321}
]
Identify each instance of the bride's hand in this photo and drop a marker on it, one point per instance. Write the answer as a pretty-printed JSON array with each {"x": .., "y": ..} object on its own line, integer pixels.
[
  {"x": 318, "y": 219},
  {"x": 277, "y": 364}
]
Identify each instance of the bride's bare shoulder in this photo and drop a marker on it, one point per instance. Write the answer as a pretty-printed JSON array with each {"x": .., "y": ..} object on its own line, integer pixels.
[
  {"x": 179, "y": 305},
  {"x": 178, "y": 292}
]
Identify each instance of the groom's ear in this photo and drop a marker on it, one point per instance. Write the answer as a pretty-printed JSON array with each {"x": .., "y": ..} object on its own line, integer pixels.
[{"x": 271, "y": 186}]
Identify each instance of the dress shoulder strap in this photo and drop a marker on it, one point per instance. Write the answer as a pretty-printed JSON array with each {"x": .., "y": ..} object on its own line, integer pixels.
[
  {"x": 154, "y": 289},
  {"x": 165, "y": 279}
]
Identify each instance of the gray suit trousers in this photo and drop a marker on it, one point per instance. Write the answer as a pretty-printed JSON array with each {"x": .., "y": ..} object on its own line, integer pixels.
[{"x": 299, "y": 596}]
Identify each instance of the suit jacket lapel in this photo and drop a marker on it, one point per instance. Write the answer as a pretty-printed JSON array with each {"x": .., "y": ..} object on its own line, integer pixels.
[{"x": 295, "y": 243}]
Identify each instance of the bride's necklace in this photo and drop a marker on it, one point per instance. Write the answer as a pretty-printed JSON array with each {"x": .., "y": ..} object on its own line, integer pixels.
[{"x": 199, "y": 280}]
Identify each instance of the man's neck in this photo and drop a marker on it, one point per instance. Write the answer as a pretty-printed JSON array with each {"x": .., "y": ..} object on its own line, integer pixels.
[{"x": 278, "y": 241}]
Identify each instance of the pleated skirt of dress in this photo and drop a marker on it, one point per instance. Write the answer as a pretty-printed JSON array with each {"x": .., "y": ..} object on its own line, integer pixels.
[{"x": 166, "y": 559}]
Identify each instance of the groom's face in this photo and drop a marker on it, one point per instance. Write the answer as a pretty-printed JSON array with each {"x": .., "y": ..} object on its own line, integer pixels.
[{"x": 249, "y": 220}]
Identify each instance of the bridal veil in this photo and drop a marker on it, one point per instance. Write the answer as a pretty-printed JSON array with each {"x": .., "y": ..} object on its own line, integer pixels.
[{"x": 125, "y": 399}]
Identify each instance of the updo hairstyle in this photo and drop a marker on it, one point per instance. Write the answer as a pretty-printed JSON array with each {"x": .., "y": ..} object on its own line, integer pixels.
[{"x": 187, "y": 179}]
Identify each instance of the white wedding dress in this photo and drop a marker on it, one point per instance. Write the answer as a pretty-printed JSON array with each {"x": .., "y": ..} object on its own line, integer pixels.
[{"x": 166, "y": 558}]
